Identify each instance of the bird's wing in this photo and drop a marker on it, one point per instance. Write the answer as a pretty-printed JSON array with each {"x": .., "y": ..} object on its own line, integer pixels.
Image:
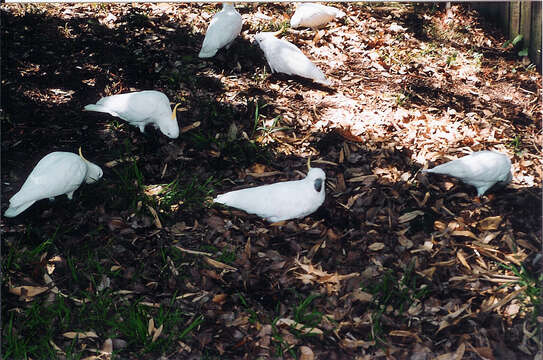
[
  {"x": 274, "y": 202},
  {"x": 56, "y": 174},
  {"x": 224, "y": 27},
  {"x": 131, "y": 107},
  {"x": 285, "y": 57},
  {"x": 477, "y": 167}
]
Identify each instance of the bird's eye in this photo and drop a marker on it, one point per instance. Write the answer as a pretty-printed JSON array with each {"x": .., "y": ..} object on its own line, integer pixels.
[{"x": 318, "y": 185}]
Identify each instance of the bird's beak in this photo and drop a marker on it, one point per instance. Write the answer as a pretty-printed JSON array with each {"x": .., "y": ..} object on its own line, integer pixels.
[{"x": 174, "y": 111}]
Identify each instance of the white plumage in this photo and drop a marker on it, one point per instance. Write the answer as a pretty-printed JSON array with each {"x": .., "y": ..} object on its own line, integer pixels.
[
  {"x": 284, "y": 57},
  {"x": 314, "y": 15},
  {"x": 280, "y": 201},
  {"x": 55, "y": 174},
  {"x": 481, "y": 169},
  {"x": 141, "y": 108},
  {"x": 223, "y": 29}
]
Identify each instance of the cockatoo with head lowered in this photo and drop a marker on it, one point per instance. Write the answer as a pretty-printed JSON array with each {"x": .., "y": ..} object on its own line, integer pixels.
[
  {"x": 141, "y": 108},
  {"x": 481, "y": 169},
  {"x": 285, "y": 57},
  {"x": 223, "y": 29},
  {"x": 280, "y": 201},
  {"x": 55, "y": 174},
  {"x": 314, "y": 15}
]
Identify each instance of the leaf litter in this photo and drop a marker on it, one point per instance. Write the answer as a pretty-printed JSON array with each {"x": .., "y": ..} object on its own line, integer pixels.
[{"x": 409, "y": 265}]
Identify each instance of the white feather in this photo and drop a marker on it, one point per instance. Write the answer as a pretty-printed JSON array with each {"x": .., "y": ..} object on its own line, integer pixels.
[
  {"x": 481, "y": 169},
  {"x": 223, "y": 29},
  {"x": 55, "y": 174},
  {"x": 139, "y": 109},
  {"x": 285, "y": 57},
  {"x": 314, "y": 15},
  {"x": 280, "y": 201}
]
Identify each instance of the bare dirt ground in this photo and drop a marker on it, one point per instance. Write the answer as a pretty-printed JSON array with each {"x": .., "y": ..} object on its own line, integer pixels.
[{"x": 395, "y": 264}]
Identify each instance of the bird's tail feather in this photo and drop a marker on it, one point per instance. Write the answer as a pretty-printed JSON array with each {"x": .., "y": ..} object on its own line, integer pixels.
[
  {"x": 207, "y": 53},
  {"x": 95, "y": 107}
]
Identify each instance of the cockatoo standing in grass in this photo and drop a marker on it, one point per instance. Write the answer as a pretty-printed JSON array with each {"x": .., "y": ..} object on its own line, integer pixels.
[
  {"x": 223, "y": 29},
  {"x": 56, "y": 174},
  {"x": 280, "y": 201},
  {"x": 481, "y": 169},
  {"x": 141, "y": 108},
  {"x": 284, "y": 57},
  {"x": 314, "y": 15}
]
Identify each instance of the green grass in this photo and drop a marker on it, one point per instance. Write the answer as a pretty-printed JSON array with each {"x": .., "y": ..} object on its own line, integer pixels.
[
  {"x": 531, "y": 297},
  {"x": 393, "y": 292}
]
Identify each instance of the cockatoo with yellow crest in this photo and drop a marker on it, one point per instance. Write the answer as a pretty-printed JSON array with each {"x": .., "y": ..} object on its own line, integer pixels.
[
  {"x": 55, "y": 174},
  {"x": 223, "y": 29},
  {"x": 314, "y": 15},
  {"x": 280, "y": 201},
  {"x": 284, "y": 57},
  {"x": 481, "y": 169},
  {"x": 141, "y": 108}
]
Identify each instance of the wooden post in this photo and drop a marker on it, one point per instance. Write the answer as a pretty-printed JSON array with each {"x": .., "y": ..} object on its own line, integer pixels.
[
  {"x": 535, "y": 35},
  {"x": 514, "y": 20},
  {"x": 525, "y": 21}
]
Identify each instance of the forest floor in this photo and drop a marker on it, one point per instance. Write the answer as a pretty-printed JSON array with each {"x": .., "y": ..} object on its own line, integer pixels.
[{"x": 395, "y": 264}]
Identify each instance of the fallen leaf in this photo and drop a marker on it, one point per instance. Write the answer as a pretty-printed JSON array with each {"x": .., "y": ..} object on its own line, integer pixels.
[
  {"x": 80, "y": 335},
  {"x": 376, "y": 246}
]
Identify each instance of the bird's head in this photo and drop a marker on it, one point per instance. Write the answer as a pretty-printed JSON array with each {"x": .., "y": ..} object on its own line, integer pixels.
[
  {"x": 169, "y": 126},
  {"x": 262, "y": 36},
  {"x": 317, "y": 177},
  {"x": 94, "y": 172}
]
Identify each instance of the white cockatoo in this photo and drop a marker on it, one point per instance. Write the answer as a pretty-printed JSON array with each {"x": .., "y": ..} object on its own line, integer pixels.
[
  {"x": 141, "y": 108},
  {"x": 481, "y": 169},
  {"x": 223, "y": 29},
  {"x": 285, "y": 57},
  {"x": 314, "y": 15},
  {"x": 55, "y": 174},
  {"x": 280, "y": 201}
]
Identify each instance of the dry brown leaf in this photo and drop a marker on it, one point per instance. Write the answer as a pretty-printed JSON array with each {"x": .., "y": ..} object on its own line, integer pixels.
[
  {"x": 405, "y": 333},
  {"x": 306, "y": 353},
  {"x": 151, "y": 326},
  {"x": 153, "y": 212},
  {"x": 157, "y": 333},
  {"x": 80, "y": 335},
  {"x": 300, "y": 327},
  {"x": 490, "y": 223},
  {"x": 361, "y": 296},
  {"x": 465, "y": 233},
  {"x": 219, "y": 265},
  {"x": 107, "y": 348},
  {"x": 462, "y": 258},
  {"x": 220, "y": 298},
  {"x": 28, "y": 291},
  {"x": 376, "y": 246},
  {"x": 410, "y": 216}
]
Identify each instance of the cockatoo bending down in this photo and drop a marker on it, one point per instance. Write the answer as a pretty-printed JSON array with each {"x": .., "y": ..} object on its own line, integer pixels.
[
  {"x": 55, "y": 174},
  {"x": 284, "y": 57},
  {"x": 223, "y": 29},
  {"x": 314, "y": 15},
  {"x": 280, "y": 201},
  {"x": 141, "y": 108},
  {"x": 481, "y": 169}
]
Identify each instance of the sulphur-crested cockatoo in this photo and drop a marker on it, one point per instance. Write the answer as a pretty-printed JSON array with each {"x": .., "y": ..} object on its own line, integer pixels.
[
  {"x": 56, "y": 174},
  {"x": 141, "y": 108},
  {"x": 314, "y": 15},
  {"x": 481, "y": 169},
  {"x": 223, "y": 29},
  {"x": 280, "y": 201},
  {"x": 284, "y": 57}
]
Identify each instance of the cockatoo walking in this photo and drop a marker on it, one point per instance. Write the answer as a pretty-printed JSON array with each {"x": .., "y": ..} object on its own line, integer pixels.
[
  {"x": 284, "y": 57},
  {"x": 280, "y": 201},
  {"x": 481, "y": 169},
  {"x": 223, "y": 29},
  {"x": 314, "y": 15},
  {"x": 141, "y": 108},
  {"x": 55, "y": 174}
]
